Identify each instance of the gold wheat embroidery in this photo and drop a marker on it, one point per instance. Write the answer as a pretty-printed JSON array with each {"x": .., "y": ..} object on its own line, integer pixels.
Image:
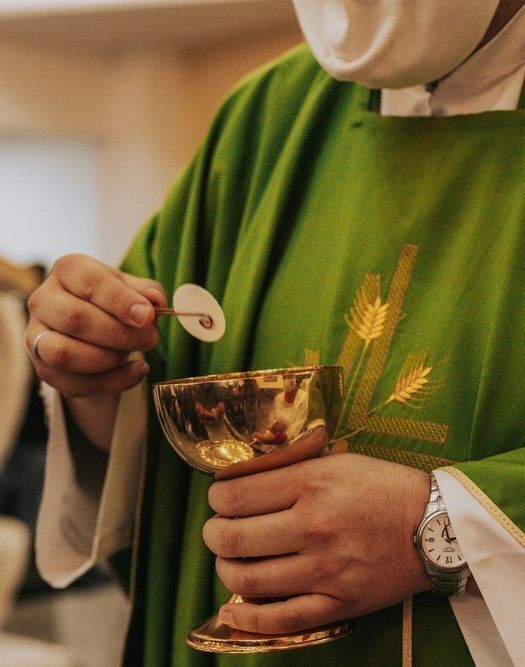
[
  {"x": 368, "y": 318},
  {"x": 369, "y": 290},
  {"x": 371, "y": 327},
  {"x": 368, "y": 322},
  {"x": 413, "y": 386}
]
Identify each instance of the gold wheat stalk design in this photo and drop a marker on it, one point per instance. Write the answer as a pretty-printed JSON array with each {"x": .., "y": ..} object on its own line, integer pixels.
[
  {"x": 368, "y": 322},
  {"x": 413, "y": 388},
  {"x": 413, "y": 385}
]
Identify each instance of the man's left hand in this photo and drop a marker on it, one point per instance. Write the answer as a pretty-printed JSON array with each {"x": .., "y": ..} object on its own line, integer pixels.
[{"x": 330, "y": 538}]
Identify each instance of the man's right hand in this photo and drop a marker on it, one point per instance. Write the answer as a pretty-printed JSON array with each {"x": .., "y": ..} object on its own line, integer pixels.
[{"x": 96, "y": 315}]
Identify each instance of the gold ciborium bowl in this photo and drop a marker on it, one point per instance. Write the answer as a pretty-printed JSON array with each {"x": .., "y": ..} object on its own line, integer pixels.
[
  {"x": 217, "y": 420},
  {"x": 257, "y": 420}
]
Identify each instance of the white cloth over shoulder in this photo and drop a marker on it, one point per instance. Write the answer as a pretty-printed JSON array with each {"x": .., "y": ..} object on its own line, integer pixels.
[
  {"x": 89, "y": 501},
  {"x": 492, "y": 625}
]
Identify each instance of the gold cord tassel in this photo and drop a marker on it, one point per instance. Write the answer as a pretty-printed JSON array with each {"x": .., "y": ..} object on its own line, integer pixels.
[{"x": 406, "y": 641}]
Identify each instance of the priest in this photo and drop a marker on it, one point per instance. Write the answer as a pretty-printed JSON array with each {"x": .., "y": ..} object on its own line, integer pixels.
[{"x": 371, "y": 186}]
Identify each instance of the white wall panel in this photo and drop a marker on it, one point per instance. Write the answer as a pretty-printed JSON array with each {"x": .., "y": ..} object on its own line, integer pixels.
[{"x": 49, "y": 199}]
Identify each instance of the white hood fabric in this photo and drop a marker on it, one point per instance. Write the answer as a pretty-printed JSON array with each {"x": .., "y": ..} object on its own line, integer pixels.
[{"x": 393, "y": 43}]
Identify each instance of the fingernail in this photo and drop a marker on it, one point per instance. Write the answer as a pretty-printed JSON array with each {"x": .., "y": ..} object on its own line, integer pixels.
[
  {"x": 226, "y": 617},
  {"x": 154, "y": 290},
  {"x": 139, "y": 313}
]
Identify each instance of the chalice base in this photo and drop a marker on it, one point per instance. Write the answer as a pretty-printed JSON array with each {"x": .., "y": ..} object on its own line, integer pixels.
[{"x": 213, "y": 636}]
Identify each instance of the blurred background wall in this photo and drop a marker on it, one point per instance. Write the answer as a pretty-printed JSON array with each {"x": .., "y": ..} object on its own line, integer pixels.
[{"x": 102, "y": 103}]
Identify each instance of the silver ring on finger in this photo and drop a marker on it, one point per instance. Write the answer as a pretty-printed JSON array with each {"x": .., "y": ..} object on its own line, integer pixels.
[{"x": 36, "y": 343}]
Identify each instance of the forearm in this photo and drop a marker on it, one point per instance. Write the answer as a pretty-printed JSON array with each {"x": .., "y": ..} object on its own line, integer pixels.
[{"x": 95, "y": 417}]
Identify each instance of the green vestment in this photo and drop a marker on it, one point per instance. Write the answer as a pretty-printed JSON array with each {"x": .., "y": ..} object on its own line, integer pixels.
[{"x": 308, "y": 215}]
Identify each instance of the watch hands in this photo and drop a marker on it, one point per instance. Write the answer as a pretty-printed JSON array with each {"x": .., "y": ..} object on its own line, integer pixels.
[{"x": 446, "y": 535}]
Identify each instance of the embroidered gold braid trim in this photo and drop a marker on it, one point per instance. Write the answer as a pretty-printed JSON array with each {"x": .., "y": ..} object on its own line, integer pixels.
[
  {"x": 488, "y": 504},
  {"x": 404, "y": 428},
  {"x": 426, "y": 462},
  {"x": 360, "y": 418}
]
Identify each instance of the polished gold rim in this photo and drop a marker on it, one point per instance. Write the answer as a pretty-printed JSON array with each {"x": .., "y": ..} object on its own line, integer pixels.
[
  {"x": 201, "y": 640},
  {"x": 241, "y": 375}
]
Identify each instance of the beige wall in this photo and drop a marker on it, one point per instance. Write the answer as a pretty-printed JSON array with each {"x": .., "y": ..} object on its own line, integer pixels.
[
  {"x": 147, "y": 109},
  {"x": 219, "y": 70},
  {"x": 47, "y": 92},
  {"x": 160, "y": 106}
]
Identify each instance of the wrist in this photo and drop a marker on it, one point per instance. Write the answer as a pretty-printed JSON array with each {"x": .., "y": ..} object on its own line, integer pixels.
[{"x": 418, "y": 501}]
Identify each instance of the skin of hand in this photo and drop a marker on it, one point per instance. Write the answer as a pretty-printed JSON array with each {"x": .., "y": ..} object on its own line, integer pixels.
[
  {"x": 97, "y": 315},
  {"x": 332, "y": 537}
]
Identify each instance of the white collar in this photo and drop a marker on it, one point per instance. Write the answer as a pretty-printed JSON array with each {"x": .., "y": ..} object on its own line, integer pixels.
[{"x": 491, "y": 79}]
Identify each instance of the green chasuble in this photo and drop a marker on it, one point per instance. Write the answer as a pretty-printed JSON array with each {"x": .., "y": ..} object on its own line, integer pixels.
[{"x": 392, "y": 246}]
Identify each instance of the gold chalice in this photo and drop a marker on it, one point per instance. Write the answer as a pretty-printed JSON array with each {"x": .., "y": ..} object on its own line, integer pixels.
[{"x": 253, "y": 421}]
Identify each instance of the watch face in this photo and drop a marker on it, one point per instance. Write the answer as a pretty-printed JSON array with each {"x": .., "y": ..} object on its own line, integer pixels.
[{"x": 439, "y": 544}]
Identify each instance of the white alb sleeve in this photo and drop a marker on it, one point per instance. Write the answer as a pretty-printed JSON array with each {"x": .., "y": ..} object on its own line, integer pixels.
[
  {"x": 492, "y": 625},
  {"x": 89, "y": 499}
]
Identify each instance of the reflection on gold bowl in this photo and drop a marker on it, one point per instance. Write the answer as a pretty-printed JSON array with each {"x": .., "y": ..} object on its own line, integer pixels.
[
  {"x": 217, "y": 420},
  {"x": 222, "y": 453}
]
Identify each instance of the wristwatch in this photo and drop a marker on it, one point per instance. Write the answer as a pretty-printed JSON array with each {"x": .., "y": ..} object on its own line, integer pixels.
[{"x": 439, "y": 548}]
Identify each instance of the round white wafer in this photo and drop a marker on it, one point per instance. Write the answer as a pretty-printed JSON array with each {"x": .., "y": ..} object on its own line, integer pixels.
[{"x": 191, "y": 298}]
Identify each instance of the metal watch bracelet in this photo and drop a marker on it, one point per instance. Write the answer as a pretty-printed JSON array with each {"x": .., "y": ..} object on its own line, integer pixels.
[{"x": 443, "y": 583}]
